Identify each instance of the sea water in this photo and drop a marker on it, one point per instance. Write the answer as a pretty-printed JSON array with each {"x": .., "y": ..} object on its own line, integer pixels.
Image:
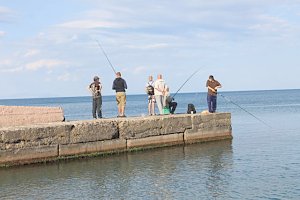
[{"x": 261, "y": 162}]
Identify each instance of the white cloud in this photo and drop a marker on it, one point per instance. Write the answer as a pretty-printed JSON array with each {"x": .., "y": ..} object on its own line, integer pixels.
[
  {"x": 5, "y": 62},
  {"x": 209, "y": 35},
  {"x": 7, "y": 65},
  {"x": 64, "y": 77},
  {"x": 139, "y": 70},
  {"x": 56, "y": 36},
  {"x": 12, "y": 70},
  {"x": 270, "y": 24},
  {"x": 46, "y": 63},
  {"x": 5, "y": 14},
  {"x": 274, "y": 28},
  {"x": 4, "y": 10},
  {"x": 32, "y": 52},
  {"x": 90, "y": 24},
  {"x": 2, "y": 33},
  {"x": 214, "y": 20},
  {"x": 95, "y": 14},
  {"x": 149, "y": 46}
]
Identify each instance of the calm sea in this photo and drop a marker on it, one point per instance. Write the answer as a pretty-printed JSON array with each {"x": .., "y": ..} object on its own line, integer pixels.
[{"x": 259, "y": 163}]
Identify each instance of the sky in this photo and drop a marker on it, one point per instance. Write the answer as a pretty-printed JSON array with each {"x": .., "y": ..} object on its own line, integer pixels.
[{"x": 48, "y": 48}]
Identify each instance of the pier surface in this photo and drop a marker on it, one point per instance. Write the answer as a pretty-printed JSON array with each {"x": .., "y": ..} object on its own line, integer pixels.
[{"x": 28, "y": 115}]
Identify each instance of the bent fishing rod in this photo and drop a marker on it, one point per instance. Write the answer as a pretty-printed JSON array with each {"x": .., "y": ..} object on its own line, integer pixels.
[
  {"x": 185, "y": 82},
  {"x": 105, "y": 55},
  {"x": 230, "y": 101}
]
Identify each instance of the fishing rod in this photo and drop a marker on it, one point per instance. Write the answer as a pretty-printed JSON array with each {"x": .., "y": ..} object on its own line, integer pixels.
[
  {"x": 185, "y": 82},
  {"x": 106, "y": 56},
  {"x": 229, "y": 100}
]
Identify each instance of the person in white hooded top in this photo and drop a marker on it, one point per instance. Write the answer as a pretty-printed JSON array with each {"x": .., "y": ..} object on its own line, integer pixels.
[{"x": 159, "y": 92}]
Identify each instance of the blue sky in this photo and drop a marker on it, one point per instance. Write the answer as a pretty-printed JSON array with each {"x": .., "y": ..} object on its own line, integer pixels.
[{"x": 48, "y": 48}]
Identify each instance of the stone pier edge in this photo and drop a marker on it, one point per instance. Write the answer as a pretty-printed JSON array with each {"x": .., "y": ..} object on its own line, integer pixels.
[{"x": 121, "y": 138}]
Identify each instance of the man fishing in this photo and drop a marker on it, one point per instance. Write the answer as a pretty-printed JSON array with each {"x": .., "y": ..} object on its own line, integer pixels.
[
  {"x": 95, "y": 88},
  {"x": 169, "y": 101},
  {"x": 119, "y": 85},
  {"x": 212, "y": 85}
]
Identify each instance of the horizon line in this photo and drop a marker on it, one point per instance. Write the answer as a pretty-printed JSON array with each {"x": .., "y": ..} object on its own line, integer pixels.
[{"x": 19, "y": 98}]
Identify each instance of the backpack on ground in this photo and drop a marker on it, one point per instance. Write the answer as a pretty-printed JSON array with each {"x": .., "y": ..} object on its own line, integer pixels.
[{"x": 191, "y": 109}]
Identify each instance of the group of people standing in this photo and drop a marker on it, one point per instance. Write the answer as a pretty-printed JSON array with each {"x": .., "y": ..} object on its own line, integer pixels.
[{"x": 158, "y": 93}]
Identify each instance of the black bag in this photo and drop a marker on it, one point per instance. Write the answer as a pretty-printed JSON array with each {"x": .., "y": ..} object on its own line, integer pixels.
[
  {"x": 150, "y": 90},
  {"x": 191, "y": 109}
]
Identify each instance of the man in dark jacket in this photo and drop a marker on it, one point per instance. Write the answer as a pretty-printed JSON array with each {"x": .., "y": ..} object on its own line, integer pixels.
[{"x": 120, "y": 86}]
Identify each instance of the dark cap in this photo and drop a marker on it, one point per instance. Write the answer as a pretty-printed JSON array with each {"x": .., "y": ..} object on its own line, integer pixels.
[{"x": 96, "y": 78}]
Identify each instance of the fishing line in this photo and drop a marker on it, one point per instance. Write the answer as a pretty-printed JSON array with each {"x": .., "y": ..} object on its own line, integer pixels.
[
  {"x": 185, "y": 82},
  {"x": 229, "y": 100},
  {"x": 105, "y": 55}
]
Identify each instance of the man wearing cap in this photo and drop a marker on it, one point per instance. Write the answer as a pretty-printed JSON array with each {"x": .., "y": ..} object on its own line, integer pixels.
[
  {"x": 212, "y": 85},
  {"x": 95, "y": 88},
  {"x": 120, "y": 86}
]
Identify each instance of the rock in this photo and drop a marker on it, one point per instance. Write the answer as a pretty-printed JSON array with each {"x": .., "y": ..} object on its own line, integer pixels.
[
  {"x": 95, "y": 130},
  {"x": 140, "y": 127}
]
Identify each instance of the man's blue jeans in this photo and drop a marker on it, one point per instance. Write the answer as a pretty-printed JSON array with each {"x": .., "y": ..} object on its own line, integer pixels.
[{"x": 212, "y": 103}]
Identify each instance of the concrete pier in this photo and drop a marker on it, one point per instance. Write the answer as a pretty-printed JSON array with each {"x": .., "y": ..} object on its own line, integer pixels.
[
  {"x": 60, "y": 140},
  {"x": 28, "y": 115}
]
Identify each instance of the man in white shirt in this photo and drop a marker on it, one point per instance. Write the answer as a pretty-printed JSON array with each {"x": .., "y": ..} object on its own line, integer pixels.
[{"x": 159, "y": 92}]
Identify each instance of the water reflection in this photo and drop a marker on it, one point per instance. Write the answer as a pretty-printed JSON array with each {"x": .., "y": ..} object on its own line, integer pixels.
[
  {"x": 215, "y": 167},
  {"x": 166, "y": 173}
]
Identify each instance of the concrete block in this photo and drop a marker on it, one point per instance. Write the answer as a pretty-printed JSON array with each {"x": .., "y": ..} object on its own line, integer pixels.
[
  {"x": 219, "y": 116},
  {"x": 176, "y": 124},
  {"x": 196, "y": 121},
  {"x": 2, "y": 146},
  {"x": 207, "y": 117},
  {"x": 190, "y": 136},
  {"x": 28, "y": 155},
  {"x": 211, "y": 121},
  {"x": 92, "y": 147},
  {"x": 155, "y": 141},
  {"x": 93, "y": 130},
  {"x": 27, "y": 115},
  {"x": 36, "y": 135},
  {"x": 140, "y": 127},
  {"x": 1, "y": 137}
]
